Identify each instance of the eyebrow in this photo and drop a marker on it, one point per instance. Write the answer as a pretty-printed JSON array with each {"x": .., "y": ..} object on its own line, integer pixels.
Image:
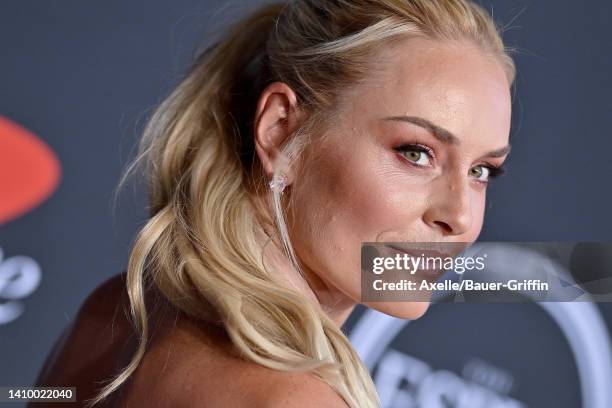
[{"x": 442, "y": 134}]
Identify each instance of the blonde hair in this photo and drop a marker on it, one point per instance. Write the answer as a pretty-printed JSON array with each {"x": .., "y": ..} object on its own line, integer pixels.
[{"x": 200, "y": 246}]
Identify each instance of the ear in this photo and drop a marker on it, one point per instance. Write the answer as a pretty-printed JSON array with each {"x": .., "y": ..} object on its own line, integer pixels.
[{"x": 276, "y": 118}]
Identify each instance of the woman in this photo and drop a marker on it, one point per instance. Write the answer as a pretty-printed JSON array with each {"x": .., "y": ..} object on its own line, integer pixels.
[{"x": 311, "y": 127}]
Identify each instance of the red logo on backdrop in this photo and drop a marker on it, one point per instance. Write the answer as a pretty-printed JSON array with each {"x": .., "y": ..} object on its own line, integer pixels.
[{"x": 29, "y": 170}]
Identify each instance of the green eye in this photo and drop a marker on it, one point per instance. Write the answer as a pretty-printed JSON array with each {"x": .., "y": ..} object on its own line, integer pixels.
[
  {"x": 479, "y": 172},
  {"x": 416, "y": 154},
  {"x": 421, "y": 155}
]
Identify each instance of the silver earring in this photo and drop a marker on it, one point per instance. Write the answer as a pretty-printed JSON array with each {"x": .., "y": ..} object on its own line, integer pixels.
[{"x": 278, "y": 183}]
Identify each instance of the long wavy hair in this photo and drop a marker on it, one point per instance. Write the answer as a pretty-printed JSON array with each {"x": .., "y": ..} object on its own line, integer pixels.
[{"x": 200, "y": 247}]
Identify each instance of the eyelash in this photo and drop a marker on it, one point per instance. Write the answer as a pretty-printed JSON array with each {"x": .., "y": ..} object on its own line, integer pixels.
[{"x": 494, "y": 171}]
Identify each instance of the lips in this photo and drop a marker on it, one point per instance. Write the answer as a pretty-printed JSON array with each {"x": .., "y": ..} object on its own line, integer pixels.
[
  {"x": 421, "y": 273},
  {"x": 419, "y": 252}
]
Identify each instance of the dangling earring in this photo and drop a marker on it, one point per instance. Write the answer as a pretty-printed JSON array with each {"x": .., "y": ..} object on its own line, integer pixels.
[{"x": 278, "y": 183}]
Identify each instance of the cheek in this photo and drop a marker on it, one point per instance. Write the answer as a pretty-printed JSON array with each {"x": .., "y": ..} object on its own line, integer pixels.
[{"x": 344, "y": 201}]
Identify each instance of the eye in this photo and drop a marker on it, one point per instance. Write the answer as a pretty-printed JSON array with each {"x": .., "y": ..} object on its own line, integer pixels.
[
  {"x": 485, "y": 173},
  {"x": 418, "y": 154},
  {"x": 480, "y": 172}
]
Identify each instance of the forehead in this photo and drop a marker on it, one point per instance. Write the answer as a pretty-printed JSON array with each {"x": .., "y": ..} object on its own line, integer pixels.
[{"x": 453, "y": 84}]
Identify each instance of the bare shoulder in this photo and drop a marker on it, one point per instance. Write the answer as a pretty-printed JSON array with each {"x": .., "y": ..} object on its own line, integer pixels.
[
  {"x": 298, "y": 390},
  {"x": 192, "y": 364},
  {"x": 187, "y": 362},
  {"x": 247, "y": 384}
]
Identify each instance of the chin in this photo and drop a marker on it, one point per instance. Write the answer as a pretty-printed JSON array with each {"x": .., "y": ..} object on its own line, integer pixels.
[{"x": 402, "y": 310}]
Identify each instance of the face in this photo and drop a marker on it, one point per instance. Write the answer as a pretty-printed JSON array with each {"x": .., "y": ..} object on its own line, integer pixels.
[{"x": 407, "y": 159}]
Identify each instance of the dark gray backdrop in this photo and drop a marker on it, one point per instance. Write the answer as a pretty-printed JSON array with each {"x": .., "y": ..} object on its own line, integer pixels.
[{"x": 83, "y": 75}]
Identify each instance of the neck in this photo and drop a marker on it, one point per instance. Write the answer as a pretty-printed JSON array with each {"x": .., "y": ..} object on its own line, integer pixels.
[{"x": 334, "y": 303}]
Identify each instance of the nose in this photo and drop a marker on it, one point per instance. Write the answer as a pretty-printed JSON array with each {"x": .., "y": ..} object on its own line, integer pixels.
[{"x": 450, "y": 209}]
